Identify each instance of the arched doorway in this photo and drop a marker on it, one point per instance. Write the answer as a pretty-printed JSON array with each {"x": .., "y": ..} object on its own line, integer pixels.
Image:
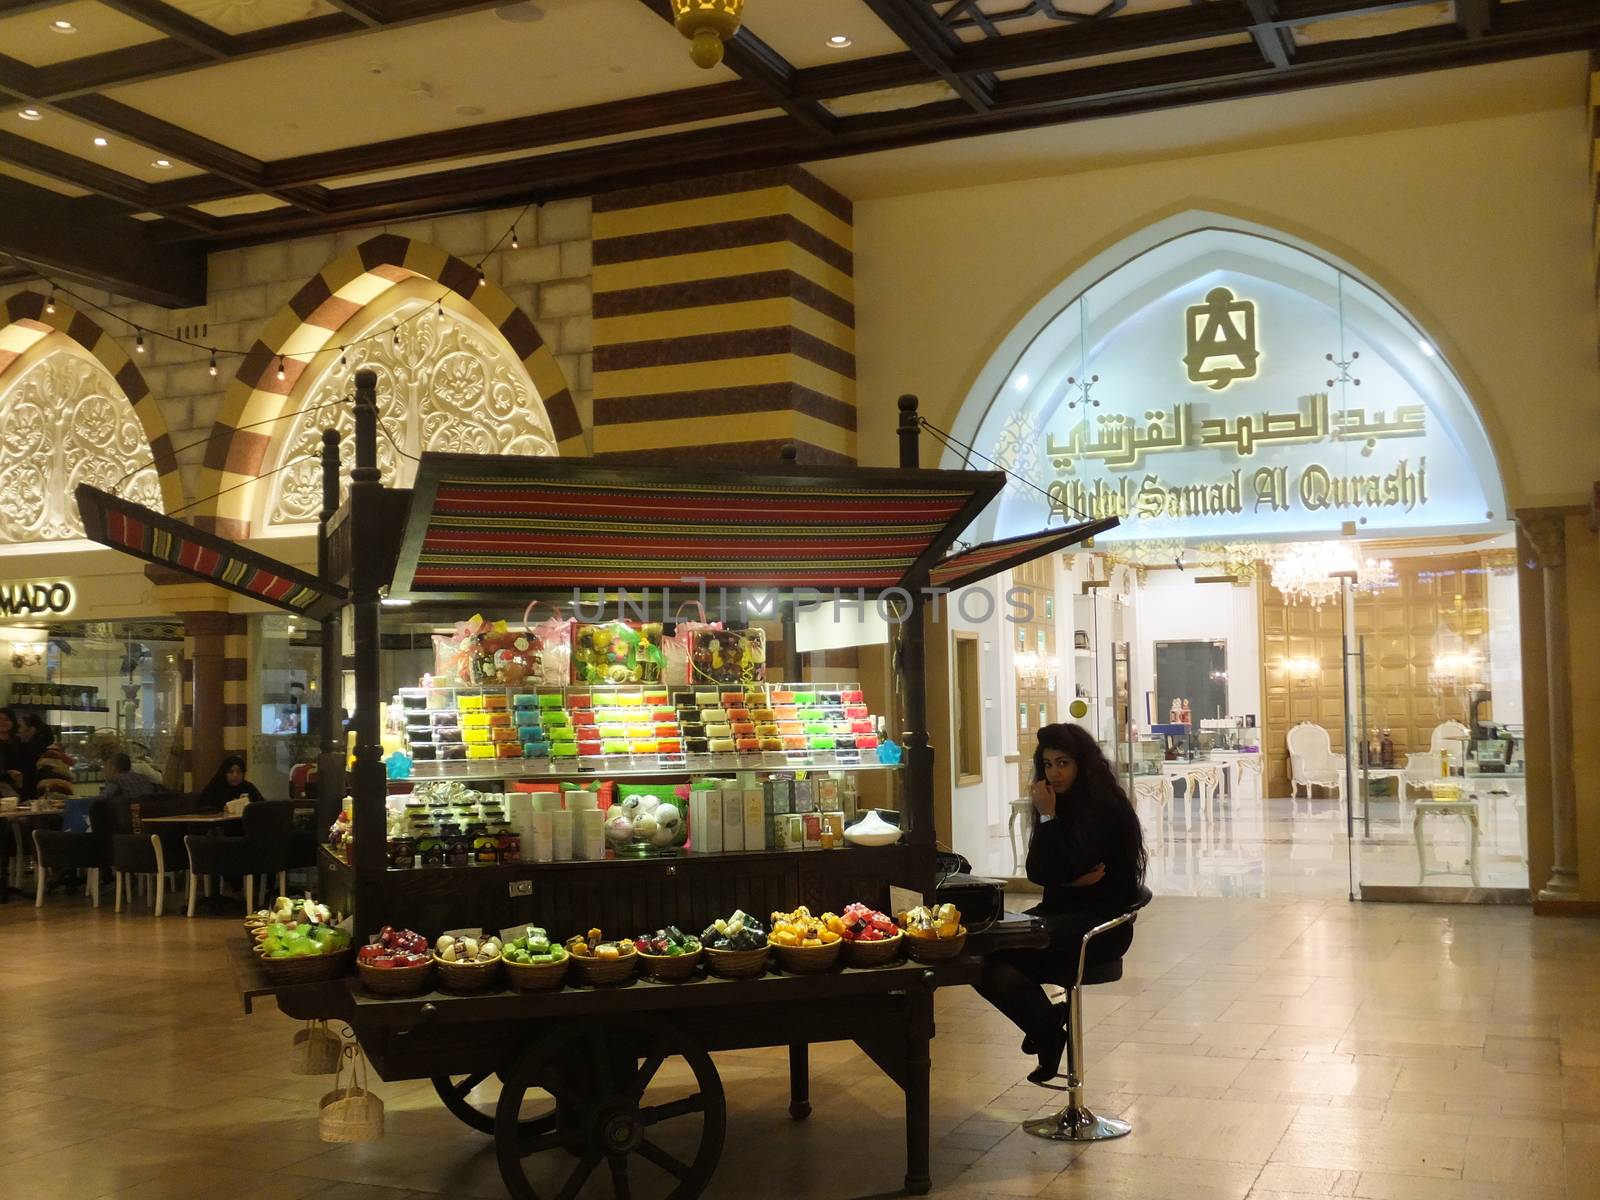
[{"x": 1264, "y": 421}]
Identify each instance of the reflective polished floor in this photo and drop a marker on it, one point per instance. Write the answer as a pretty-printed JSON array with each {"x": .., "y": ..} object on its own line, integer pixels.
[
  {"x": 1262, "y": 1049},
  {"x": 1283, "y": 848}
]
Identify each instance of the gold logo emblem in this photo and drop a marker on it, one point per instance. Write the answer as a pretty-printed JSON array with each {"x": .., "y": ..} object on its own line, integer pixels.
[{"x": 1222, "y": 339}]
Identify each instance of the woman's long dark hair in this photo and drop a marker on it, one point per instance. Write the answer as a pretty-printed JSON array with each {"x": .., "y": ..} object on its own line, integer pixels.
[{"x": 1096, "y": 785}]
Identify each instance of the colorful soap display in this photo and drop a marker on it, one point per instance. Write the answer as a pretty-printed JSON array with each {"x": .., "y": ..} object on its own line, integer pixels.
[
  {"x": 670, "y": 942},
  {"x": 596, "y": 945},
  {"x": 452, "y": 949},
  {"x": 934, "y": 923},
  {"x": 395, "y": 949},
  {"x": 615, "y": 714},
  {"x": 863, "y": 924},
  {"x": 533, "y": 949},
  {"x": 278, "y": 941},
  {"x": 737, "y": 931},
  {"x": 799, "y": 928}
]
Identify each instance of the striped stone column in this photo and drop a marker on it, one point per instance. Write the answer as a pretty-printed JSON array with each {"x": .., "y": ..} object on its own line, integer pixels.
[
  {"x": 724, "y": 320},
  {"x": 214, "y": 672}
]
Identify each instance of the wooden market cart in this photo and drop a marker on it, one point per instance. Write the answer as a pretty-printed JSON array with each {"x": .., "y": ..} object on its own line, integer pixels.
[{"x": 576, "y": 1066}]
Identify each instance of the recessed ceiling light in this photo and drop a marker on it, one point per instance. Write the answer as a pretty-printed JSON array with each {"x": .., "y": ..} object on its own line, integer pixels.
[
  {"x": 63, "y": 27},
  {"x": 100, "y": 141},
  {"x": 838, "y": 41},
  {"x": 31, "y": 114},
  {"x": 162, "y": 164}
]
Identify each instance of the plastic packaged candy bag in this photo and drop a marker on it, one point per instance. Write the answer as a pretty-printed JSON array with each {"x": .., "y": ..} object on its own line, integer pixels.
[
  {"x": 617, "y": 652},
  {"x": 480, "y": 652},
  {"x": 725, "y": 655}
]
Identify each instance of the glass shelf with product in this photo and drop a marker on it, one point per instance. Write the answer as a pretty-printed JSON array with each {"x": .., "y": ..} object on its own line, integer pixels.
[{"x": 510, "y": 743}]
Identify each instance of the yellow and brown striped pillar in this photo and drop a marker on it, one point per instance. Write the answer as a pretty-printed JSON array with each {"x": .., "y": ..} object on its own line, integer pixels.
[
  {"x": 725, "y": 320},
  {"x": 214, "y": 673}
]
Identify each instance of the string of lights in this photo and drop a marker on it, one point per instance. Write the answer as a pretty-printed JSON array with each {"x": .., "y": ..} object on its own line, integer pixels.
[
  {"x": 215, "y": 353},
  {"x": 951, "y": 442}
]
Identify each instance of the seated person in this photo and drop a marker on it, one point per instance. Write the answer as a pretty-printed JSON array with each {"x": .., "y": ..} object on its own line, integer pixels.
[
  {"x": 227, "y": 784},
  {"x": 123, "y": 782}
]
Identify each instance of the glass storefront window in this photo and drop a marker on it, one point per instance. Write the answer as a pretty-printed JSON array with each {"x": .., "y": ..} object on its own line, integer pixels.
[
  {"x": 101, "y": 686},
  {"x": 286, "y": 693}
]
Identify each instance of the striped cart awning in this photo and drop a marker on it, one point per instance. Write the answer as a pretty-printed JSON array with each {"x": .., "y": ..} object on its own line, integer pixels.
[
  {"x": 167, "y": 542},
  {"x": 980, "y": 562},
  {"x": 502, "y": 525}
]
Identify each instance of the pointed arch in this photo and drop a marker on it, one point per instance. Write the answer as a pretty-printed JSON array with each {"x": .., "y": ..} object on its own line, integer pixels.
[
  {"x": 301, "y": 335},
  {"x": 1123, "y": 308},
  {"x": 77, "y": 410}
]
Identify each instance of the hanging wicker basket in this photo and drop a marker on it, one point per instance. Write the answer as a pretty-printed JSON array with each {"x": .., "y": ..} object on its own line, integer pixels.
[
  {"x": 315, "y": 1050},
  {"x": 352, "y": 1113}
]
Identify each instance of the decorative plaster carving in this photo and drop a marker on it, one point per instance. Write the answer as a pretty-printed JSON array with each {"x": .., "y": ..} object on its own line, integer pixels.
[
  {"x": 445, "y": 386},
  {"x": 67, "y": 422}
]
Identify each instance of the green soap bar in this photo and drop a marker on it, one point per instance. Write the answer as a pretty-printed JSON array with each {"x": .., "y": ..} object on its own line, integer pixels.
[
  {"x": 557, "y": 720},
  {"x": 810, "y": 714},
  {"x": 550, "y": 701},
  {"x": 818, "y": 727},
  {"x": 563, "y": 749},
  {"x": 805, "y": 697},
  {"x": 822, "y": 743}
]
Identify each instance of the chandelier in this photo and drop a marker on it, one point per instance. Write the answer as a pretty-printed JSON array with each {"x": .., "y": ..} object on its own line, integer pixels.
[
  {"x": 1309, "y": 572},
  {"x": 1035, "y": 671},
  {"x": 707, "y": 24}
]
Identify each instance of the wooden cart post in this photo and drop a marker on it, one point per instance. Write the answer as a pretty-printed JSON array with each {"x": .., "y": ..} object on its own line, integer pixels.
[
  {"x": 331, "y": 759},
  {"x": 914, "y": 687},
  {"x": 368, "y": 785}
]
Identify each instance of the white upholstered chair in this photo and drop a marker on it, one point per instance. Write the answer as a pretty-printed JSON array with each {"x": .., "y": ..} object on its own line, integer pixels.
[{"x": 1313, "y": 764}]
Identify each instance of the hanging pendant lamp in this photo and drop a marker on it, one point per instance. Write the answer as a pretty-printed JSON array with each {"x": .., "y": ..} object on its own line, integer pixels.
[{"x": 707, "y": 24}]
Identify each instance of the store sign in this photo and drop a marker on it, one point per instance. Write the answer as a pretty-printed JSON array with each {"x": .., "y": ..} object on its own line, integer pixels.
[
  {"x": 36, "y": 599},
  {"x": 1222, "y": 340},
  {"x": 1234, "y": 405}
]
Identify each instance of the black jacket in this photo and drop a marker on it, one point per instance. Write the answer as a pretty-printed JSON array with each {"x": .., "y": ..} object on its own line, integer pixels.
[{"x": 1083, "y": 834}]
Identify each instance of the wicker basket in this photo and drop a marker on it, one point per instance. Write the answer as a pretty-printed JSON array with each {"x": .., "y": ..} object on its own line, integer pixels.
[
  {"x": 395, "y": 981},
  {"x": 671, "y": 968},
  {"x": 311, "y": 969},
  {"x": 350, "y": 1113},
  {"x": 931, "y": 950},
  {"x": 467, "y": 978},
  {"x": 874, "y": 954},
  {"x": 737, "y": 964},
  {"x": 807, "y": 960},
  {"x": 537, "y": 977},
  {"x": 605, "y": 972}
]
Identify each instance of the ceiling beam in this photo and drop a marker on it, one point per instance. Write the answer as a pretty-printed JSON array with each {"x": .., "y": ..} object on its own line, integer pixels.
[
  {"x": 368, "y": 14},
  {"x": 176, "y": 24},
  {"x": 1275, "y": 42},
  {"x": 172, "y": 56},
  {"x": 47, "y": 232},
  {"x": 915, "y": 24},
  {"x": 1474, "y": 16},
  {"x": 758, "y": 64},
  {"x": 246, "y": 172},
  {"x": 1164, "y": 81}
]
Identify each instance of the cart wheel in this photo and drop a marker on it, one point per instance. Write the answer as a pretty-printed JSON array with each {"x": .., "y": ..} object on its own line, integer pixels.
[
  {"x": 454, "y": 1090},
  {"x": 600, "y": 1075}
]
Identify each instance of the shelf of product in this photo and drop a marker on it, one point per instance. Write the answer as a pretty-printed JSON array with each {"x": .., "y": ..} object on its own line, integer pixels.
[
  {"x": 512, "y": 731},
  {"x": 57, "y": 697},
  {"x": 445, "y": 823}
]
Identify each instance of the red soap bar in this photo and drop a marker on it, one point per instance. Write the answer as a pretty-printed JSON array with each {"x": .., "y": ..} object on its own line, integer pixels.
[
  {"x": 866, "y": 743},
  {"x": 583, "y": 717},
  {"x": 861, "y": 727},
  {"x": 856, "y": 710},
  {"x": 853, "y": 697},
  {"x": 749, "y": 745}
]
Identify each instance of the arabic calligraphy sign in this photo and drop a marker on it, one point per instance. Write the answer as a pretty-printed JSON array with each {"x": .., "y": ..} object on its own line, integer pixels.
[{"x": 1267, "y": 447}]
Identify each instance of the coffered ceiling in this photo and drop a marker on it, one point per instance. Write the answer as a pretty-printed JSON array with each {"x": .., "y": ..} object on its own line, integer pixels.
[{"x": 231, "y": 121}]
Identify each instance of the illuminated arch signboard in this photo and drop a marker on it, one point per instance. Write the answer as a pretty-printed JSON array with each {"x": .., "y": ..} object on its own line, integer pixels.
[{"x": 1223, "y": 384}]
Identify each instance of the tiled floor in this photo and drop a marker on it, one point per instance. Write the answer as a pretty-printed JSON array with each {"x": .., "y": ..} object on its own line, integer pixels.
[
  {"x": 1262, "y": 1049},
  {"x": 1287, "y": 849}
]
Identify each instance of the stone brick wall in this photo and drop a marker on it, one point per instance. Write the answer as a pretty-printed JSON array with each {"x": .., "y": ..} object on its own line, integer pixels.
[{"x": 548, "y": 277}]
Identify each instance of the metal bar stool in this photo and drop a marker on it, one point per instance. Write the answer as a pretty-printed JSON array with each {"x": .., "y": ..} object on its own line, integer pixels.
[{"x": 1076, "y": 1122}]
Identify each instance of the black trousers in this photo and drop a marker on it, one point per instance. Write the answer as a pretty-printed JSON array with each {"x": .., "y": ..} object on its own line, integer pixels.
[{"x": 1012, "y": 979}]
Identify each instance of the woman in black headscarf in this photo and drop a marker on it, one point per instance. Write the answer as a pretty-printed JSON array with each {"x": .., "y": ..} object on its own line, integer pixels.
[
  {"x": 227, "y": 784},
  {"x": 1087, "y": 852}
]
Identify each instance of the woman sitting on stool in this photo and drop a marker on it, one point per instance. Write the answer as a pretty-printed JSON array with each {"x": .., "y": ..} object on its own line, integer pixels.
[{"x": 1088, "y": 854}]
